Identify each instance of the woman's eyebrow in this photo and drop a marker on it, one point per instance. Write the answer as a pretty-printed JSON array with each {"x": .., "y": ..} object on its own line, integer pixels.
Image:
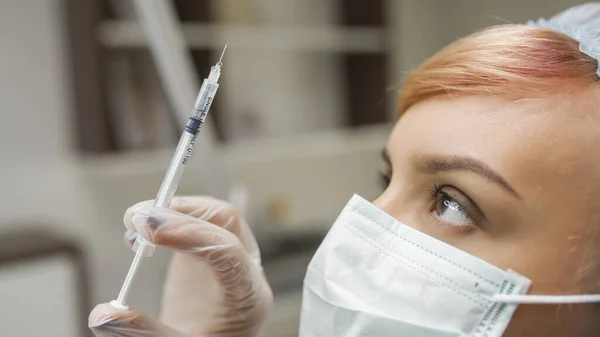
[{"x": 434, "y": 164}]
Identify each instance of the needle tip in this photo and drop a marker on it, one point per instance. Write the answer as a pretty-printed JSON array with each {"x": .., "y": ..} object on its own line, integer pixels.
[{"x": 223, "y": 53}]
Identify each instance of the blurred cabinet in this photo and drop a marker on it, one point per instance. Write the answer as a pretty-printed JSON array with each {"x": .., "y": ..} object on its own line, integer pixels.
[{"x": 293, "y": 67}]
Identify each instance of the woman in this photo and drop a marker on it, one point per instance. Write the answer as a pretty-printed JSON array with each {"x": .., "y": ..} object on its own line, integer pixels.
[{"x": 492, "y": 172}]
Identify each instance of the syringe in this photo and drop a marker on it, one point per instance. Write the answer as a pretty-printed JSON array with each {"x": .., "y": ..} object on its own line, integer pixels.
[{"x": 142, "y": 247}]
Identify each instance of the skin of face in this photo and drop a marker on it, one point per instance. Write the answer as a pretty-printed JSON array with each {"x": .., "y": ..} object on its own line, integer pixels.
[{"x": 547, "y": 151}]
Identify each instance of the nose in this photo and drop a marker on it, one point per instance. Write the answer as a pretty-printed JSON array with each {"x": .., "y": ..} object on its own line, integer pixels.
[
  {"x": 384, "y": 202},
  {"x": 397, "y": 205},
  {"x": 377, "y": 202}
]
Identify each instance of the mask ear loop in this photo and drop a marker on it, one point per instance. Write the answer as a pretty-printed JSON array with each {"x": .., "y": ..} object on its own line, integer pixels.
[{"x": 545, "y": 299}]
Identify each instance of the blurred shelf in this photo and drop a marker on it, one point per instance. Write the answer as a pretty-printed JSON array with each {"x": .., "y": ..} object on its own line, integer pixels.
[
  {"x": 127, "y": 34},
  {"x": 310, "y": 176},
  {"x": 322, "y": 144}
]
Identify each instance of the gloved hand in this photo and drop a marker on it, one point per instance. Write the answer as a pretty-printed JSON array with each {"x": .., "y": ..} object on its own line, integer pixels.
[{"x": 215, "y": 285}]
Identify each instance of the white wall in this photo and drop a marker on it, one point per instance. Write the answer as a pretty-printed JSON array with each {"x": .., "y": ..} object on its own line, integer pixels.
[
  {"x": 40, "y": 183},
  {"x": 37, "y": 172},
  {"x": 33, "y": 80}
]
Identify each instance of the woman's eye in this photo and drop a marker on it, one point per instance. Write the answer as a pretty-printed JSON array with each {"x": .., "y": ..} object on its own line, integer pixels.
[
  {"x": 385, "y": 174},
  {"x": 449, "y": 210},
  {"x": 385, "y": 178},
  {"x": 453, "y": 208}
]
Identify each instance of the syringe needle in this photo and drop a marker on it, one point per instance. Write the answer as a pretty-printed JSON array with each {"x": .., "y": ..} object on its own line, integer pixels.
[{"x": 223, "y": 53}]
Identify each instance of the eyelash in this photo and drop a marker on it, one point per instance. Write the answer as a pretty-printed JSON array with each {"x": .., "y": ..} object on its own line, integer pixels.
[
  {"x": 385, "y": 179},
  {"x": 436, "y": 194},
  {"x": 435, "y": 191}
]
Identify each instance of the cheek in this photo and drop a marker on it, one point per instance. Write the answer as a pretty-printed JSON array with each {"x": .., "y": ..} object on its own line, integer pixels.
[
  {"x": 578, "y": 320},
  {"x": 559, "y": 264}
]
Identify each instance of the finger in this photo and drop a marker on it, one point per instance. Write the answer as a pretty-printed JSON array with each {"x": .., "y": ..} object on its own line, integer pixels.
[
  {"x": 129, "y": 237},
  {"x": 215, "y": 211},
  {"x": 222, "y": 250},
  {"x": 105, "y": 321},
  {"x": 220, "y": 213},
  {"x": 205, "y": 208},
  {"x": 240, "y": 278},
  {"x": 131, "y": 211},
  {"x": 165, "y": 227}
]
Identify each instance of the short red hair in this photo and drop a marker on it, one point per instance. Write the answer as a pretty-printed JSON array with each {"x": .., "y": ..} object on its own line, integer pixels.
[{"x": 512, "y": 61}]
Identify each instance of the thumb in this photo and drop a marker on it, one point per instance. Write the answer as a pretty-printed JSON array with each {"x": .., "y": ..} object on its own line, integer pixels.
[{"x": 107, "y": 321}]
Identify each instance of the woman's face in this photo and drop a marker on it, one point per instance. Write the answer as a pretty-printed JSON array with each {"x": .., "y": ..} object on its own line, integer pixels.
[{"x": 514, "y": 183}]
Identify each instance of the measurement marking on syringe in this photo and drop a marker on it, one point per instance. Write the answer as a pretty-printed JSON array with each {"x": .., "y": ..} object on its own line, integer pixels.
[
  {"x": 188, "y": 151},
  {"x": 206, "y": 106}
]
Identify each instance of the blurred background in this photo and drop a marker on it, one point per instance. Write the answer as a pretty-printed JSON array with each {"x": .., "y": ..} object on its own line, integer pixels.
[{"x": 91, "y": 113}]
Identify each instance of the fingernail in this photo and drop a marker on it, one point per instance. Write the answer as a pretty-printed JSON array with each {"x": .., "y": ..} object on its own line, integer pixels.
[
  {"x": 130, "y": 237},
  {"x": 154, "y": 222},
  {"x": 111, "y": 324},
  {"x": 100, "y": 318},
  {"x": 147, "y": 223}
]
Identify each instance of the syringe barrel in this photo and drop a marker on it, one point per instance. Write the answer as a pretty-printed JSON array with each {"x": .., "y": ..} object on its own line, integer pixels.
[
  {"x": 175, "y": 172},
  {"x": 204, "y": 100},
  {"x": 186, "y": 144}
]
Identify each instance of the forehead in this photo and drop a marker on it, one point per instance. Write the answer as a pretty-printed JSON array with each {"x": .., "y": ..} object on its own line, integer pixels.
[{"x": 543, "y": 145}]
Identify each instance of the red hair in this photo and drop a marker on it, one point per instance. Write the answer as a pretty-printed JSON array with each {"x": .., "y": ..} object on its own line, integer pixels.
[{"x": 512, "y": 61}]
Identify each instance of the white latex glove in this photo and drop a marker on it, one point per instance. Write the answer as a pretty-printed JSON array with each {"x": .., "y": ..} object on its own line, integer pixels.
[{"x": 215, "y": 285}]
